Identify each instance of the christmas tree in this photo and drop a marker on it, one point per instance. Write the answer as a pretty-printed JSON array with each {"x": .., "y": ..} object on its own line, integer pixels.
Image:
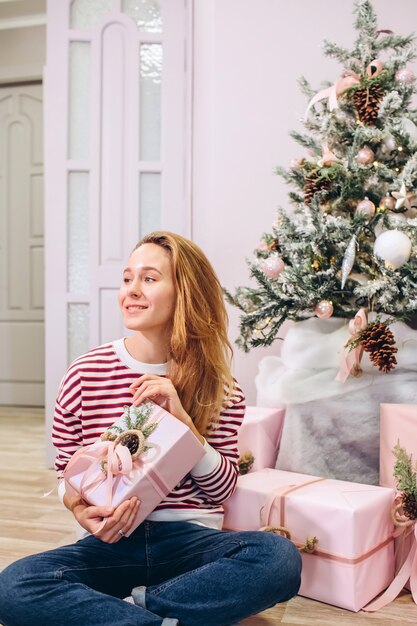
[{"x": 348, "y": 238}]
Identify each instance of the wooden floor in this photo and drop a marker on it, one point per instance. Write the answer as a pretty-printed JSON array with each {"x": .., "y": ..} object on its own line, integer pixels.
[{"x": 30, "y": 523}]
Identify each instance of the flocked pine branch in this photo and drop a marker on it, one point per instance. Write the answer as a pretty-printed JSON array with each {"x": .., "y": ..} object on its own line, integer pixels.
[{"x": 347, "y": 183}]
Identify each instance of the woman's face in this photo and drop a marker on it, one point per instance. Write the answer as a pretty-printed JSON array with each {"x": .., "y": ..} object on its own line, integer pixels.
[{"x": 147, "y": 296}]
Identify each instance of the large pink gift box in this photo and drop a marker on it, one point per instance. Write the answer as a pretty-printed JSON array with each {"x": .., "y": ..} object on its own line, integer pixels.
[
  {"x": 354, "y": 557},
  {"x": 260, "y": 434},
  {"x": 398, "y": 422},
  {"x": 173, "y": 451}
]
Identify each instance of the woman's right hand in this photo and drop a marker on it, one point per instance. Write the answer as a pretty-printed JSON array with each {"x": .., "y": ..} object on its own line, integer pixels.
[{"x": 117, "y": 520}]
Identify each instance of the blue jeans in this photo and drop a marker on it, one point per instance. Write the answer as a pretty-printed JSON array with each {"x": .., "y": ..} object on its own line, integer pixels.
[{"x": 201, "y": 576}]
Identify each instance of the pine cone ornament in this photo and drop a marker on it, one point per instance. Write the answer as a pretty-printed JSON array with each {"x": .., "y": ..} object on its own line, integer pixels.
[
  {"x": 409, "y": 505},
  {"x": 378, "y": 340},
  {"x": 366, "y": 101},
  {"x": 245, "y": 462},
  {"x": 313, "y": 184},
  {"x": 130, "y": 439}
]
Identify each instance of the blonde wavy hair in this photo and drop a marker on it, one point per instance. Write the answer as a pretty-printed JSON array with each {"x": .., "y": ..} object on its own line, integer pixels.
[{"x": 200, "y": 351}]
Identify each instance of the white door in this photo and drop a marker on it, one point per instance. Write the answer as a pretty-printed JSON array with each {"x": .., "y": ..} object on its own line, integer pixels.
[
  {"x": 21, "y": 246},
  {"x": 116, "y": 135}
]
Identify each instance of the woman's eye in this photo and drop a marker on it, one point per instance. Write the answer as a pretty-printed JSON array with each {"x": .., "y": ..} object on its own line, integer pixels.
[
  {"x": 127, "y": 280},
  {"x": 149, "y": 279}
]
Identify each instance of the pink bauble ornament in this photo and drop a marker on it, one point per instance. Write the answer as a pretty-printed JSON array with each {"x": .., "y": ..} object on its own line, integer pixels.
[
  {"x": 405, "y": 75},
  {"x": 324, "y": 309},
  {"x": 345, "y": 82},
  {"x": 387, "y": 202},
  {"x": 272, "y": 267},
  {"x": 366, "y": 207},
  {"x": 374, "y": 68},
  {"x": 365, "y": 156},
  {"x": 263, "y": 246}
]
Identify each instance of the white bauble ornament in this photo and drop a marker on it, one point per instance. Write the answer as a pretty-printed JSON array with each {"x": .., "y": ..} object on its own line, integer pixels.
[
  {"x": 324, "y": 309},
  {"x": 405, "y": 75},
  {"x": 366, "y": 207},
  {"x": 409, "y": 127},
  {"x": 272, "y": 266},
  {"x": 387, "y": 145},
  {"x": 394, "y": 247}
]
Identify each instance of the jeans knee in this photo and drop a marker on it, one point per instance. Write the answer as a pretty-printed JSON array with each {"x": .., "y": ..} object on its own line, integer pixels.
[
  {"x": 280, "y": 563},
  {"x": 9, "y": 580}
]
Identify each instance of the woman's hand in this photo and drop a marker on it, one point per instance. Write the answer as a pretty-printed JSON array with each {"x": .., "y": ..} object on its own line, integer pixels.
[
  {"x": 161, "y": 391},
  {"x": 117, "y": 520}
]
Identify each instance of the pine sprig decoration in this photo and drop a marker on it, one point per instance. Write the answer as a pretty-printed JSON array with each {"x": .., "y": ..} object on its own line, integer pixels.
[
  {"x": 136, "y": 431},
  {"x": 136, "y": 418},
  {"x": 406, "y": 480},
  {"x": 378, "y": 340}
]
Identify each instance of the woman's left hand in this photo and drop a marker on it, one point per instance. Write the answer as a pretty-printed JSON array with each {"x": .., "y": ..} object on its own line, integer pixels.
[{"x": 161, "y": 391}]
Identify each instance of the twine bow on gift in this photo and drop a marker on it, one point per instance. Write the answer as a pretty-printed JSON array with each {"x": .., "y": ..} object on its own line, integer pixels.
[
  {"x": 351, "y": 356},
  {"x": 308, "y": 547},
  {"x": 407, "y": 565},
  {"x": 348, "y": 79}
]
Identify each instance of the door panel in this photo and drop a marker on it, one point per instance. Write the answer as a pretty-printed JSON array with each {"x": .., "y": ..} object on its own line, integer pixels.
[{"x": 21, "y": 246}]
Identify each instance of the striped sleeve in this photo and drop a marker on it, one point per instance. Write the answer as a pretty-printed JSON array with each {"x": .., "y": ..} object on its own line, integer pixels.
[
  {"x": 220, "y": 482},
  {"x": 67, "y": 429}
]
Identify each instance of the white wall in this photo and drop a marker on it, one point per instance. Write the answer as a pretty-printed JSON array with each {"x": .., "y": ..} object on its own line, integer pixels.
[{"x": 248, "y": 57}]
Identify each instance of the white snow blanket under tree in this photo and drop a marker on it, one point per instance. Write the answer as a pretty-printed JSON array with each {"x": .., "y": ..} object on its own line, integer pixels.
[{"x": 331, "y": 429}]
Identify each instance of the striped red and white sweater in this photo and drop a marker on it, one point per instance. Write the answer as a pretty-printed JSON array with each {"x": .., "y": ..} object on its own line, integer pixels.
[{"x": 91, "y": 398}]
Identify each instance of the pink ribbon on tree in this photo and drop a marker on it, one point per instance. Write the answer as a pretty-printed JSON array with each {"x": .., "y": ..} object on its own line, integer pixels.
[
  {"x": 331, "y": 93},
  {"x": 351, "y": 357}
]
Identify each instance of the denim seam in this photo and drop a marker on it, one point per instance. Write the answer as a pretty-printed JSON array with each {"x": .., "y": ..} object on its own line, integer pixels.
[
  {"x": 168, "y": 583},
  {"x": 61, "y": 572},
  {"x": 206, "y": 551}
]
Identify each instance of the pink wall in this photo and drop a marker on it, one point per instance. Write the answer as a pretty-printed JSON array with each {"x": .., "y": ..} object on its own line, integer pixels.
[{"x": 248, "y": 57}]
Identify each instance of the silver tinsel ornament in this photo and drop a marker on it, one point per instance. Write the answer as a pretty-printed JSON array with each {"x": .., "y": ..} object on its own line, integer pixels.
[{"x": 348, "y": 259}]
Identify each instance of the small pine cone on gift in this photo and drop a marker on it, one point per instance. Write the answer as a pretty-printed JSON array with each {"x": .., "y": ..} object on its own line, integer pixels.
[
  {"x": 245, "y": 462},
  {"x": 313, "y": 184},
  {"x": 366, "y": 101},
  {"x": 130, "y": 440},
  {"x": 377, "y": 339},
  {"x": 409, "y": 504}
]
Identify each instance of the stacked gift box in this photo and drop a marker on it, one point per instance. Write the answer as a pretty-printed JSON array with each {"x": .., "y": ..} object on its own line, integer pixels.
[{"x": 350, "y": 523}]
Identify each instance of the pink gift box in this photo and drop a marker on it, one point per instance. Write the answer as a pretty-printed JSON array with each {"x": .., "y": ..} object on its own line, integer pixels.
[
  {"x": 398, "y": 422},
  {"x": 354, "y": 557},
  {"x": 260, "y": 434},
  {"x": 174, "y": 451}
]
